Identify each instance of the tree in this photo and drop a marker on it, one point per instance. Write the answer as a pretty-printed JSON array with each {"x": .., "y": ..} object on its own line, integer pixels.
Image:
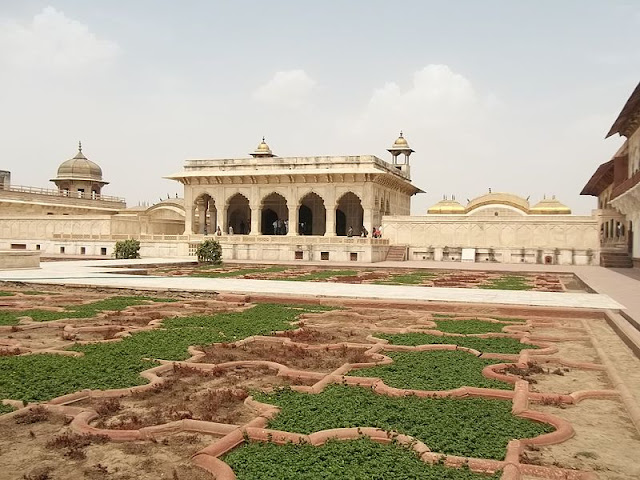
[
  {"x": 209, "y": 251},
  {"x": 127, "y": 249}
]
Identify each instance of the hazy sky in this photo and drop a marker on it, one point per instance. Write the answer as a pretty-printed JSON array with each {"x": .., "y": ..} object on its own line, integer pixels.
[{"x": 512, "y": 95}]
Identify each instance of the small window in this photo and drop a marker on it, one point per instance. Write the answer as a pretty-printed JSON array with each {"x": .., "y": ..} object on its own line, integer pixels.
[
  {"x": 61, "y": 249},
  {"x": 103, "y": 251},
  {"x": 83, "y": 250},
  {"x": 495, "y": 213},
  {"x": 18, "y": 246},
  {"x": 324, "y": 255},
  {"x": 353, "y": 256},
  {"x": 299, "y": 255},
  {"x": 38, "y": 246}
]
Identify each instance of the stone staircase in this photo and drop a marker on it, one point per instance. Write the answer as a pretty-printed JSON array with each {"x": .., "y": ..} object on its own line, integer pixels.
[
  {"x": 397, "y": 253},
  {"x": 616, "y": 260}
]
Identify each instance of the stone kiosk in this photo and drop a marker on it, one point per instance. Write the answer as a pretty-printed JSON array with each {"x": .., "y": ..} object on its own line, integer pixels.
[{"x": 285, "y": 208}]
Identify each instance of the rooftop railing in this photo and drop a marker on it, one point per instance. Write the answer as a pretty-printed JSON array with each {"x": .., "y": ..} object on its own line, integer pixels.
[{"x": 62, "y": 193}]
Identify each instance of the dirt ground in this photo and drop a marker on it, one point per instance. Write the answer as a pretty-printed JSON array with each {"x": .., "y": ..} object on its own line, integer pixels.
[
  {"x": 605, "y": 441},
  {"x": 26, "y": 452},
  {"x": 216, "y": 396},
  {"x": 564, "y": 380},
  {"x": 293, "y": 356}
]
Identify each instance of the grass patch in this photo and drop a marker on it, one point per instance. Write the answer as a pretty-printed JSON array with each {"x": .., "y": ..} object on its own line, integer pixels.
[
  {"x": 5, "y": 409},
  {"x": 118, "y": 364},
  {"x": 4, "y": 293},
  {"x": 468, "y": 326},
  {"x": 360, "y": 459},
  {"x": 507, "y": 282},
  {"x": 238, "y": 273},
  {"x": 323, "y": 275},
  {"x": 414, "y": 278},
  {"x": 88, "y": 310},
  {"x": 492, "y": 345},
  {"x": 472, "y": 427},
  {"x": 433, "y": 370}
]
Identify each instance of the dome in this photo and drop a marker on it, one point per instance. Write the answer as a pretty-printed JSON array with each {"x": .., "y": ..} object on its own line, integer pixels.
[
  {"x": 262, "y": 150},
  {"x": 79, "y": 168},
  {"x": 497, "y": 199},
  {"x": 401, "y": 141},
  {"x": 550, "y": 206},
  {"x": 446, "y": 207},
  {"x": 400, "y": 146}
]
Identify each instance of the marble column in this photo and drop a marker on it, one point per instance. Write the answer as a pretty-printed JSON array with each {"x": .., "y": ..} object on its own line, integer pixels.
[
  {"x": 202, "y": 211},
  {"x": 293, "y": 218},
  {"x": 331, "y": 221},
  {"x": 255, "y": 219}
]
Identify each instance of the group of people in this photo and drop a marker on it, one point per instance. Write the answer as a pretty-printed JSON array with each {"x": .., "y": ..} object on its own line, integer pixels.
[
  {"x": 280, "y": 227},
  {"x": 364, "y": 233}
]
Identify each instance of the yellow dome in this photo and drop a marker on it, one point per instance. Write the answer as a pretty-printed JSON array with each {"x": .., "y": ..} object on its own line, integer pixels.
[
  {"x": 263, "y": 147},
  {"x": 262, "y": 150},
  {"x": 79, "y": 168},
  {"x": 446, "y": 207},
  {"x": 497, "y": 199},
  {"x": 550, "y": 206},
  {"x": 401, "y": 141}
]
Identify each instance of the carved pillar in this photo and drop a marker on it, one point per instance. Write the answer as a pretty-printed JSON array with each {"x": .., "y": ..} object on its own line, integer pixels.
[
  {"x": 220, "y": 214},
  {"x": 255, "y": 219},
  {"x": 188, "y": 211},
  {"x": 202, "y": 219},
  {"x": 367, "y": 220},
  {"x": 293, "y": 218},
  {"x": 331, "y": 221}
]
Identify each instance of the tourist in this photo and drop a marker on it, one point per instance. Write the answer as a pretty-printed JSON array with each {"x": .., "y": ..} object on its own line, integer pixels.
[
  {"x": 350, "y": 232},
  {"x": 230, "y": 230},
  {"x": 218, "y": 231}
]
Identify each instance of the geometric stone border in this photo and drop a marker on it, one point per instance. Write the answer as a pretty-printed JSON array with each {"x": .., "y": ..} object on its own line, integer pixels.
[{"x": 234, "y": 435}]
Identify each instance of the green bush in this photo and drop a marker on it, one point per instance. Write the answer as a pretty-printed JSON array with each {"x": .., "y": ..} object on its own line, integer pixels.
[
  {"x": 127, "y": 249},
  {"x": 209, "y": 251}
]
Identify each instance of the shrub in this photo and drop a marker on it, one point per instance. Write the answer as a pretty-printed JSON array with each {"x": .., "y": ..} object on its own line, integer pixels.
[
  {"x": 127, "y": 249},
  {"x": 209, "y": 251}
]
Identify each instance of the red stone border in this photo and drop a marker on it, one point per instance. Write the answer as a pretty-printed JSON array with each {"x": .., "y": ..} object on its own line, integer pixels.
[{"x": 234, "y": 435}]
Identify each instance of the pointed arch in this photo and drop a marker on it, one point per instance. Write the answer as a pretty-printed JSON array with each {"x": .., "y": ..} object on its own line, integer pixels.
[
  {"x": 274, "y": 215},
  {"x": 238, "y": 215},
  {"x": 349, "y": 215},
  {"x": 312, "y": 215}
]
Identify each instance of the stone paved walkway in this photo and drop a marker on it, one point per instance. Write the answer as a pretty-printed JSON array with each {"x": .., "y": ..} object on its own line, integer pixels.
[{"x": 98, "y": 273}]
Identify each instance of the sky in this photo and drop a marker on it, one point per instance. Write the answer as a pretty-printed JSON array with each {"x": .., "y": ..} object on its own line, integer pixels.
[{"x": 512, "y": 96}]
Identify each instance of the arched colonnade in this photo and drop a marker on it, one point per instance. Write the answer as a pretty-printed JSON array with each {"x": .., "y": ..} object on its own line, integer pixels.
[{"x": 274, "y": 215}]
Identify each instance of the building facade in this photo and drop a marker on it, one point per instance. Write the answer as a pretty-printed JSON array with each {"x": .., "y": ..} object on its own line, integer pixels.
[
  {"x": 616, "y": 184},
  {"x": 498, "y": 227}
]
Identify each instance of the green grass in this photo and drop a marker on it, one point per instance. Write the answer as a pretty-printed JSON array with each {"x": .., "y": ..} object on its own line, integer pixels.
[
  {"x": 414, "y": 278},
  {"x": 88, "y": 310},
  {"x": 489, "y": 345},
  {"x": 468, "y": 326},
  {"x": 239, "y": 273},
  {"x": 360, "y": 459},
  {"x": 433, "y": 370},
  {"x": 507, "y": 282},
  {"x": 6, "y": 409},
  {"x": 4, "y": 293},
  {"x": 473, "y": 427},
  {"x": 323, "y": 275},
  {"x": 118, "y": 364}
]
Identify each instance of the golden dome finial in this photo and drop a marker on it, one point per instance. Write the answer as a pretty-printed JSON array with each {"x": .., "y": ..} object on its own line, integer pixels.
[{"x": 79, "y": 146}]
